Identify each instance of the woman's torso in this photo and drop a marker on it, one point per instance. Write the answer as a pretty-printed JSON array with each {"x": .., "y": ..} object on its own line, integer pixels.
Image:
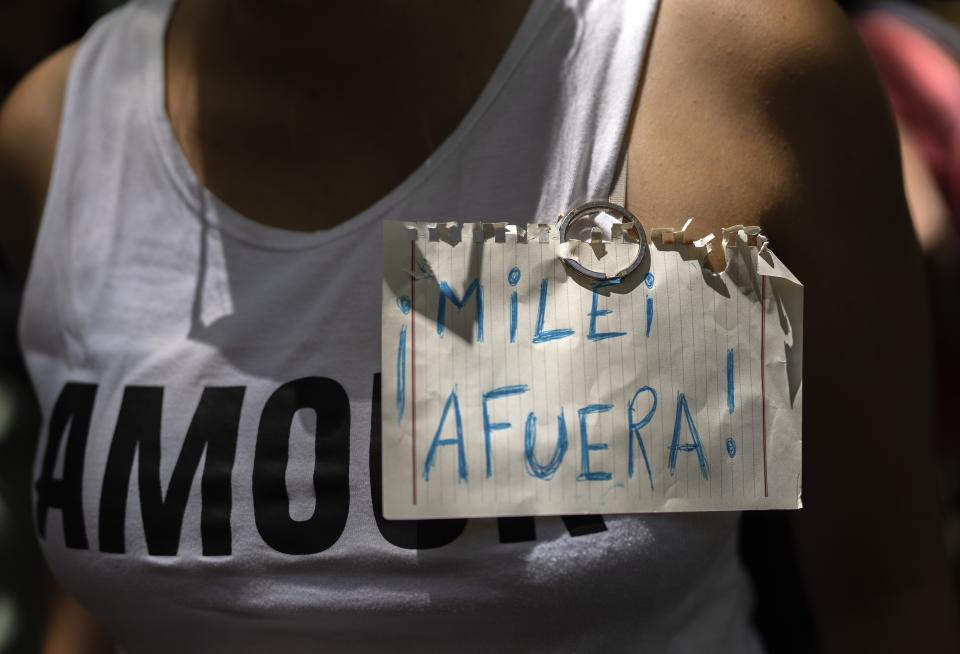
[{"x": 209, "y": 468}]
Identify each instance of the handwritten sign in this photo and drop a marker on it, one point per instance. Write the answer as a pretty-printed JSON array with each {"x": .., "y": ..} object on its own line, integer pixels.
[{"x": 511, "y": 388}]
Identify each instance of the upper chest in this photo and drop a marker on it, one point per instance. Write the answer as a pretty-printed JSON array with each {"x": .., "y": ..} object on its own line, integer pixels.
[{"x": 309, "y": 136}]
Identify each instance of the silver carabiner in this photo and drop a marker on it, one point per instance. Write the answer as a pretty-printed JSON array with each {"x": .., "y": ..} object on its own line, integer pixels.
[{"x": 609, "y": 207}]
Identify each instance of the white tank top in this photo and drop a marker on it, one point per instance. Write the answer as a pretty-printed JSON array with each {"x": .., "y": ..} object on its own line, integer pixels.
[{"x": 208, "y": 474}]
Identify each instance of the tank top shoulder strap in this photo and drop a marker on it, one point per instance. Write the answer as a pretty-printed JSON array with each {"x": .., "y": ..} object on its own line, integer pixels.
[
  {"x": 601, "y": 78},
  {"x": 99, "y": 133},
  {"x": 105, "y": 87}
]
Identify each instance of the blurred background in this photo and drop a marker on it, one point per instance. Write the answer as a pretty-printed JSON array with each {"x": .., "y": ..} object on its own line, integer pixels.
[
  {"x": 916, "y": 50},
  {"x": 30, "y": 30}
]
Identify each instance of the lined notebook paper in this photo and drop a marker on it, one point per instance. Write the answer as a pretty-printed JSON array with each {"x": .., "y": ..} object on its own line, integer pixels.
[{"x": 511, "y": 388}]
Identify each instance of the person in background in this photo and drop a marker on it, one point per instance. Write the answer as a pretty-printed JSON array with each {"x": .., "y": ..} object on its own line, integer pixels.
[{"x": 916, "y": 53}]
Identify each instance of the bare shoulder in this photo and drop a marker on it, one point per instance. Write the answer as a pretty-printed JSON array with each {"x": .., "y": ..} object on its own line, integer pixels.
[
  {"x": 769, "y": 112},
  {"x": 764, "y": 111},
  {"x": 29, "y": 124}
]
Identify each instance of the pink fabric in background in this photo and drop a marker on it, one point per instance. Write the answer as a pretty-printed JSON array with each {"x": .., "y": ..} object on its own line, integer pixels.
[{"x": 923, "y": 84}]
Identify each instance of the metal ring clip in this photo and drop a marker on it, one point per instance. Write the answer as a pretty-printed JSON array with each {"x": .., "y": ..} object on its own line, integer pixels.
[{"x": 609, "y": 207}]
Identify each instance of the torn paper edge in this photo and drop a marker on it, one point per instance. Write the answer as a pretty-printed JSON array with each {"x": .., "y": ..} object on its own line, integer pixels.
[{"x": 663, "y": 238}]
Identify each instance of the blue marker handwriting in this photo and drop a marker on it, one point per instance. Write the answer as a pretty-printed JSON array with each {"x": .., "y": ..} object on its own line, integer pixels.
[
  {"x": 640, "y": 413},
  {"x": 513, "y": 279},
  {"x": 683, "y": 411},
  {"x": 446, "y": 293},
  {"x": 731, "y": 447},
  {"x": 540, "y": 335},
  {"x": 452, "y": 401},
  {"x": 596, "y": 312},
  {"x": 473, "y": 290},
  {"x": 731, "y": 404}
]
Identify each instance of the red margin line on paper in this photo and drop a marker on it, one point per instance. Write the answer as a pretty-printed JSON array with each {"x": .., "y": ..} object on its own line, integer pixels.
[
  {"x": 763, "y": 395},
  {"x": 413, "y": 368}
]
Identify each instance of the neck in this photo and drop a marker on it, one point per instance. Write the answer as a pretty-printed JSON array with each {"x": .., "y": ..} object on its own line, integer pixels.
[{"x": 375, "y": 39}]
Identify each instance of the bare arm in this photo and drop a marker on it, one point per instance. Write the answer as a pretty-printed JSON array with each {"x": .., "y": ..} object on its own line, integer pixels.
[
  {"x": 70, "y": 628},
  {"x": 768, "y": 113},
  {"x": 29, "y": 122}
]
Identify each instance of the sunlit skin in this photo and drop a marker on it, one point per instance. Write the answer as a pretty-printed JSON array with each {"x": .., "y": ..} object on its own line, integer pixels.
[{"x": 756, "y": 112}]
